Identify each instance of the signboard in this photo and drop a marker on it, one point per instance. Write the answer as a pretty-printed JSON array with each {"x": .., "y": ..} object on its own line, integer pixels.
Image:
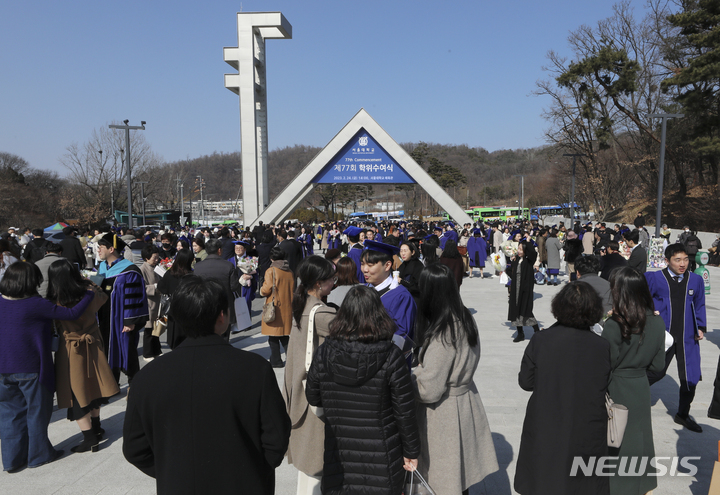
[
  {"x": 364, "y": 161},
  {"x": 656, "y": 253}
]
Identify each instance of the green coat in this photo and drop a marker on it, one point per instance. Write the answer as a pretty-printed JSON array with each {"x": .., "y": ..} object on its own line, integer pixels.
[{"x": 629, "y": 386}]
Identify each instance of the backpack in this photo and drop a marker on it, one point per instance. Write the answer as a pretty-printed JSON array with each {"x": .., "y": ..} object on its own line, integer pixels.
[
  {"x": 691, "y": 245},
  {"x": 34, "y": 253}
]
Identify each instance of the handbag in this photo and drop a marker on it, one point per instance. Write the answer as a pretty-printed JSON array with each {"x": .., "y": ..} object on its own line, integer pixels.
[
  {"x": 417, "y": 485},
  {"x": 160, "y": 324},
  {"x": 268, "y": 311},
  {"x": 317, "y": 411},
  {"x": 617, "y": 421}
]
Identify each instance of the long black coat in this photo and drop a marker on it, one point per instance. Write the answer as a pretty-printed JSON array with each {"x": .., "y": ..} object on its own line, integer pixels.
[
  {"x": 369, "y": 404},
  {"x": 523, "y": 305},
  {"x": 192, "y": 425},
  {"x": 293, "y": 253},
  {"x": 73, "y": 251},
  {"x": 567, "y": 370}
]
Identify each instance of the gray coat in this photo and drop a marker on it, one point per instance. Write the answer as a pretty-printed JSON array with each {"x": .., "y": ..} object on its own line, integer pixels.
[
  {"x": 153, "y": 295},
  {"x": 552, "y": 245},
  {"x": 602, "y": 287},
  {"x": 457, "y": 449},
  {"x": 44, "y": 265},
  {"x": 307, "y": 438}
]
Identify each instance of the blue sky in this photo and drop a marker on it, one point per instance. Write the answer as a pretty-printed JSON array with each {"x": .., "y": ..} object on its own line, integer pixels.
[{"x": 443, "y": 72}]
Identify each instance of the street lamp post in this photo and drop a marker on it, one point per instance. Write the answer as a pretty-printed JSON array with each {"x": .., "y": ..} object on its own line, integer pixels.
[
  {"x": 522, "y": 195},
  {"x": 127, "y": 129},
  {"x": 661, "y": 172},
  {"x": 142, "y": 194},
  {"x": 202, "y": 205},
  {"x": 572, "y": 188}
]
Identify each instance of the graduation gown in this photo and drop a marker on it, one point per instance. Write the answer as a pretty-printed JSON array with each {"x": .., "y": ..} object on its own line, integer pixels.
[
  {"x": 688, "y": 350},
  {"x": 246, "y": 292},
  {"x": 477, "y": 251},
  {"x": 128, "y": 305},
  {"x": 306, "y": 240},
  {"x": 354, "y": 254},
  {"x": 401, "y": 306}
]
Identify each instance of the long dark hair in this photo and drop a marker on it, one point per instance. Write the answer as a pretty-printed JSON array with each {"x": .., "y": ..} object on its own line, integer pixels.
[
  {"x": 441, "y": 312},
  {"x": 66, "y": 287},
  {"x": 362, "y": 317},
  {"x": 428, "y": 250},
  {"x": 529, "y": 253},
  {"x": 310, "y": 271},
  {"x": 631, "y": 300},
  {"x": 451, "y": 250},
  {"x": 182, "y": 265}
]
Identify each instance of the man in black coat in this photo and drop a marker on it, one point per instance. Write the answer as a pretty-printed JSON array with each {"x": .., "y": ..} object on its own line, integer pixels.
[
  {"x": 71, "y": 248},
  {"x": 638, "y": 255},
  {"x": 611, "y": 260},
  {"x": 228, "y": 246},
  {"x": 191, "y": 428},
  {"x": 292, "y": 248},
  {"x": 214, "y": 267}
]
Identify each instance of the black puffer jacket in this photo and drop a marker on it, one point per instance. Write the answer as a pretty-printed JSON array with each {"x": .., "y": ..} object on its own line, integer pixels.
[{"x": 367, "y": 395}]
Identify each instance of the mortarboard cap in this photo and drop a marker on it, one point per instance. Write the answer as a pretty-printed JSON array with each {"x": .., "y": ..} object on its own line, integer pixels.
[
  {"x": 381, "y": 247},
  {"x": 437, "y": 227},
  {"x": 353, "y": 231},
  {"x": 450, "y": 224},
  {"x": 243, "y": 243},
  {"x": 114, "y": 241}
]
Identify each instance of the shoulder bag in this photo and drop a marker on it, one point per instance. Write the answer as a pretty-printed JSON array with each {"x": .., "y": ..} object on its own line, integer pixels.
[
  {"x": 317, "y": 411},
  {"x": 617, "y": 421},
  {"x": 268, "y": 312},
  {"x": 160, "y": 324}
]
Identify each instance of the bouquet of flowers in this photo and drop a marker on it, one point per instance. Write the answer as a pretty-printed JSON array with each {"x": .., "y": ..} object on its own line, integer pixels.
[
  {"x": 509, "y": 250},
  {"x": 163, "y": 266},
  {"x": 498, "y": 261},
  {"x": 248, "y": 265}
]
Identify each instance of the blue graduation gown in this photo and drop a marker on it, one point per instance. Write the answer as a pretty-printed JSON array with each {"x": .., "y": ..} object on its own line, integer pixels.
[
  {"x": 307, "y": 244},
  {"x": 128, "y": 301},
  {"x": 247, "y": 292},
  {"x": 355, "y": 254},
  {"x": 694, "y": 318},
  {"x": 450, "y": 234},
  {"x": 477, "y": 251},
  {"x": 401, "y": 306}
]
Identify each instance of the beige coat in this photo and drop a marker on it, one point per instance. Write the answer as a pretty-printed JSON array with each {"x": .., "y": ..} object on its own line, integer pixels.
[
  {"x": 307, "y": 439},
  {"x": 279, "y": 272},
  {"x": 80, "y": 362},
  {"x": 457, "y": 447},
  {"x": 153, "y": 295}
]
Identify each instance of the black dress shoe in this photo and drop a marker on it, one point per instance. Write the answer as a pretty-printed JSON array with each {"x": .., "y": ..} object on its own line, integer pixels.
[
  {"x": 688, "y": 423},
  {"x": 712, "y": 415}
]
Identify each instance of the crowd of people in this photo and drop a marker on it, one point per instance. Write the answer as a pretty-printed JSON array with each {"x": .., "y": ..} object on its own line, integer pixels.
[{"x": 380, "y": 350}]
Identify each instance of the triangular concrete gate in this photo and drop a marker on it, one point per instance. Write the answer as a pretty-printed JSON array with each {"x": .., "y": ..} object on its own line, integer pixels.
[{"x": 301, "y": 186}]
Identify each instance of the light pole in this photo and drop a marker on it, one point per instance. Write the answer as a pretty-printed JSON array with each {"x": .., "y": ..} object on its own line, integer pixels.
[
  {"x": 127, "y": 129},
  {"x": 661, "y": 172},
  {"x": 142, "y": 194},
  {"x": 522, "y": 194},
  {"x": 572, "y": 188},
  {"x": 202, "y": 186}
]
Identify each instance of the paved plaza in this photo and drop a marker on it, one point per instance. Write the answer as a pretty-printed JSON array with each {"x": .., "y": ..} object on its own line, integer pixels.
[{"x": 106, "y": 472}]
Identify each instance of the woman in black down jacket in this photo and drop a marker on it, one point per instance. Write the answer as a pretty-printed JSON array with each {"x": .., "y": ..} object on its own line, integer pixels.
[{"x": 361, "y": 380}]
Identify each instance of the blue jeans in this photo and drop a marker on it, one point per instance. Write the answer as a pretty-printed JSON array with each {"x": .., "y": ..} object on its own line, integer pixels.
[{"x": 25, "y": 410}]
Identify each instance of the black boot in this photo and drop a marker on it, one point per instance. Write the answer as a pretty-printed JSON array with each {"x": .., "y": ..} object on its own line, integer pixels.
[
  {"x": 520, "y": 335},
  {"x": 90, "y": 442},
  {"x": 96, "y": 427},
  {"x": 536, "y": 328}
]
